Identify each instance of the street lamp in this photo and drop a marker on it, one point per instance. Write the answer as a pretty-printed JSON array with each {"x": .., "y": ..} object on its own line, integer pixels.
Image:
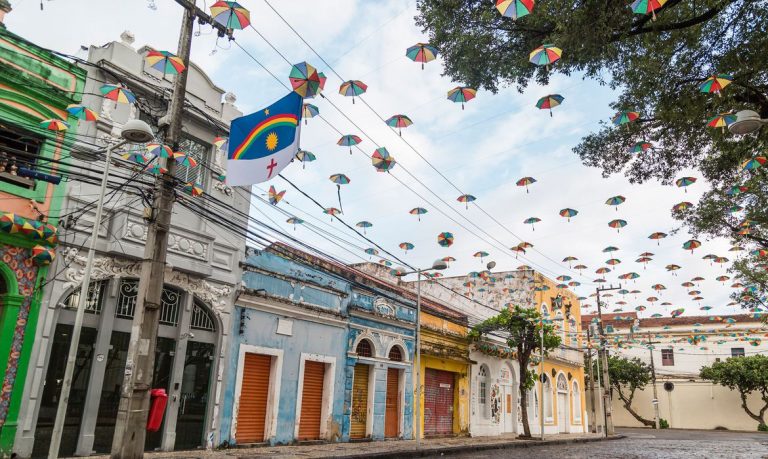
[
  {"x": 134, "y": 131},
  {"x": 400, "y": 271},
  {"x": 747, "y": 122}
]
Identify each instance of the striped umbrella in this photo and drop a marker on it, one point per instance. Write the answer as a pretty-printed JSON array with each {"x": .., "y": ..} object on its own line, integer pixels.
[
  {"x": 305, "y": 157},
  {"x": 461, "y": 94},
  {"x": 647, "y": 6},
  {"x": 618, "y": 224},
  {"x": 309, "y": 111},
  {"x": 82, "y": 112},
  {"x": 545, "y": 55},
  {"x": 525, "y": 181},
  {"x": 466, "y": 199},
  {"x": 550, "y": 101},
  {"x": 716, "y": 83},
  {"x": 364, "y": 225},
  {"x": 568, "y": 213},
  {"x": 231, "y": 15},
  {"x": 54, "y": 125},
  {"x": 421, "y": 52},
  {"x": 349, "y": 140},
  {"x": 165, "y": 61},
  {"x": 339, "y": 179},
  {"x": 514, "y": 8},
  {"x": 352, "y": 88},
  {"x": 382, "y": 160},
  {"x": 399, "y": 122},
  {"x": 117, "y": 93}
]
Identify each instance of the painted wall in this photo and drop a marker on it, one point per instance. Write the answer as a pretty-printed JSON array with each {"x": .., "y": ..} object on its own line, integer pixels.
[
  {"x": 551, "y": 424},
  {"x": 484, "y": 421}
]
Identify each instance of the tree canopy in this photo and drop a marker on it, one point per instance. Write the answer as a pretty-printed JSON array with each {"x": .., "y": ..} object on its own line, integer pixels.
[
  {"x": 656, "y": 67},
  {"x": 745, "y": 375}
]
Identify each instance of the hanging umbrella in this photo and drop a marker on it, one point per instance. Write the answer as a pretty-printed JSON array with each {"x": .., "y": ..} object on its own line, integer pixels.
[
  {"x": 157, "y": 170},
  {"x": 684, "y": 182},
  {"x": 295, "y": 221},
  {"x": 274, "y": 196},
  {"x": 722, "y": 120},
  {"x": 82, "y": 112},
  {"x": 352, "y": 88},
  {"x": 517, "y": 249},
  {"x": 531, "y": 221},
  {"x": 615, "y": 201},
  {"x": 602, "y": 270},
  {"x": 722, "y": 279},
  {"x": 466, "y": 199},
  {"x": 421, "y": 52},
  {"x": 624, "y": 117},
  {"x": 445, "y": 239},
  {"x": 550, "y": 101},
  {"x": 640, "y": 147},
  {"x": 159, "y": 150},
  {"x": 306, "y": 80},
  {"x": 136, "y": 157},
  {"x": 568, "y": 213},
  {"x": 563, "y": 278},
  {"x": 753, "y": 164},
  {"x": 382, "y": 160},
  {"x": 221, "y": 143},
  {"x": 418, "y": 211},
  {"x": 461, "y": 94},
  {"x": 658, "y": 287},
  {"x": 610, "y": 249},
  {"x": 629, "y": 276},
  {"x": 332, "y": 211},
  {"x": 657, "y": 236},
  {"x": 448, "y": 259},
  {"x": 514, "y": 8},
  {"x": 736, "y": 190},
  {"x": 715, "y": 83},
  {"x": 184, "y": 159},
  {"x": 339, "y": 179},
  {"x": 651, "y": 299},
  {"x": 618, "y": 224},
  {"x": 545, "y": 55},
  {"x": 678, "y": 312},
  {"x": 480, "y": 255},
  {"x": 406, "y": 246},
  {"x": 647, "y": 6},
  {"x": 646, "y": 254},
  {"x": 117, "y": 93},
  {"x": 364, "y": 225},
  {"x": 372, "y": 251},
  {"x": 309, "y": 111},
  {"x": 691, "y": 245},
  {"x": 682, "y": 206},
  {"x": 305, "y": 157},
  {"x": 720, "y": 260},
  {"x": 195, "y": 189},
  {"x": 231, "y": 15},
  {"x": 349, "y": 140},
  {"x": 569, "y": 259},
  {"x": 612, "y": 261},
  {"x": 54, "y": 125},
  {"x": 399, "y": 122},
  {"x": 165, "y": 61},
  {"x": 525, "y": 181}
]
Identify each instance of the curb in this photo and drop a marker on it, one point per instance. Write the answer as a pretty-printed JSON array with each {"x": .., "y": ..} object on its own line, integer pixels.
[{"x": 464, "y": 448}]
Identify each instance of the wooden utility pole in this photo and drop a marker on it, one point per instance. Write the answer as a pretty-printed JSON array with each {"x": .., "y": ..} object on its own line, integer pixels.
[
  {"x": 603, "y": 352},
  {"x": 655, "y": 400}
]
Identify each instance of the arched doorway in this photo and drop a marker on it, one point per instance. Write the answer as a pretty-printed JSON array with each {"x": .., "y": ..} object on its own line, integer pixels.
[
  {"x": 509, "y": 400},
  {"x": 184, "y": 359},
  {"x": 563, "y": 420}
]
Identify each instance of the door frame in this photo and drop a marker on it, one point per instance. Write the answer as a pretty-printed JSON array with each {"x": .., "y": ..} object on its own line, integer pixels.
[
  {"x": 328, "y": 387},
  {"x": 273, "y": 396},
  {"x": 563, "y": 427}
]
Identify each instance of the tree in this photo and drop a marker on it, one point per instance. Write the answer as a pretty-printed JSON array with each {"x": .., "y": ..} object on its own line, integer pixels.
[
  {"x": 746, "y": 375},
  {"x": 522, "y": 329},
  {"x": 656, "y": 66},
  {"x": 627, "y": 376}
]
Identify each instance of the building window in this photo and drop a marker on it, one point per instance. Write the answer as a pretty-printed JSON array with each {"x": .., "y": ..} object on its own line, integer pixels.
[
  {"x": 576, "y": 402},
  {"x": 18, "y": 150},
  {"x": 737, "y": 352},
  {"x": 548, "y": 406},
  {"x": 202, "y": 153},
  {"x": 201, "y": 318},
  {"x": 364, "y": 349},
  {"x": 128, "y": 294},
  {"x": 667, "y": 357},
  {"x": 483, "y": 390},
  {"x": 94, "y": 300},
  {"x": 395, "y": 354}
]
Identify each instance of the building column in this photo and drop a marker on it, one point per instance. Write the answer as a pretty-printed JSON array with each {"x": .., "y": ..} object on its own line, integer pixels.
[
  {"x": 96, "y": 379},
  {"x": 177, "y": 373}
]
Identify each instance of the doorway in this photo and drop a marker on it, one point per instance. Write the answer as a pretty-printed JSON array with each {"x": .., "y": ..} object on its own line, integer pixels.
[
  {"x": 562, "y": 405},
  {"x": 195, "y": 384},
  {"x": 392, "y": 407},
  {"x": 438, "y": 402}
]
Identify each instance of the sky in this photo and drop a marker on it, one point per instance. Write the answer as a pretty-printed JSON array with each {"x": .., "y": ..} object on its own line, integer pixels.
[{"x": 481, "y": 150}]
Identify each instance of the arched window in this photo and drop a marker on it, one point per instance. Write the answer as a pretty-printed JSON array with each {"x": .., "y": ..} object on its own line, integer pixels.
[
  {"x": 364, "y": 349},
  {"x": 482, "y": 390},
  {"x": 201, "y": 318},
  {"x": 548, "y": 413},
  {"x": 544, "y": 310},
  {"x": 576, "y": 402},
  {"x": 395, "y": 354}
]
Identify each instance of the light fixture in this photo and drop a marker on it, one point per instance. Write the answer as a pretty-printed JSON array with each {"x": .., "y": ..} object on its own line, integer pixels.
[
  {"x": 491, "y": 265},
  {"x": 439, "y": 265},
  {"x": 747, "y": 122}
]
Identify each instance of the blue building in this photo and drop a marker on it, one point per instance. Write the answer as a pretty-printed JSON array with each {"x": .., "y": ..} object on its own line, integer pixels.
[{"x": 319, "y": 351}]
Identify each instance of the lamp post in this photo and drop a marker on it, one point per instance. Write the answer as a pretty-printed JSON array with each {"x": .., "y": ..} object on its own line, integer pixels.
[
  {"x": 438, "y": 265},
  {"x": 134, "y": 131},
  {"x": 747, "y": 122}
]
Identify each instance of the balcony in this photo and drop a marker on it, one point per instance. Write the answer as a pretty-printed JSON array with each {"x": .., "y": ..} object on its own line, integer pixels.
[{"x": 568, "y": 355}]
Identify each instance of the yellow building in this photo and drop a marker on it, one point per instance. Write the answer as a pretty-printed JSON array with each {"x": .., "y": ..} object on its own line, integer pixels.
[{"x": 444, "y": 372}]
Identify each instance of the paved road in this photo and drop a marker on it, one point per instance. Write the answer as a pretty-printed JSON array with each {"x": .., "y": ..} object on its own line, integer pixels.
[{"x": 647, "y": 444}]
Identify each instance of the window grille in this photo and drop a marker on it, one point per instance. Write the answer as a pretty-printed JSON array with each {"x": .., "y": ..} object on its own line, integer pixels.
[
  {"x": 737, "y": 352},
  {"x": 667, "y": 357},
  {"x": 94, "y": 300},
  {"x": 395, "y": 354},
  {"x": 126, "y": 302},
  {"x": 17, "y": 150},
  {"x": 201, "y": 319},
  {"x": 364, "y": 349}
]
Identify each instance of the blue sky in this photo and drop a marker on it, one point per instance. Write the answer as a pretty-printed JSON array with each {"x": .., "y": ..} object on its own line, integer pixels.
[{"x": 483, "y": 150}]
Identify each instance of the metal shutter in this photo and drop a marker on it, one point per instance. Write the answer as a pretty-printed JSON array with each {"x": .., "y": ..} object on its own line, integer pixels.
[
  {"x": 359, "y": 401},
  {"x": 438, "y": 402},
  {"x": 252, "y": 412},
  {"x": 311, "y": 400},
  {"x": 391, "y": 415}
]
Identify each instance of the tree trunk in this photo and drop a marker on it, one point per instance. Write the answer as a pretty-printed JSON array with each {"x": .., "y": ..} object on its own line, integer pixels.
[
  {"x": 524, "y": 409},
  {"x": 628, "y": 407},
  {"x": 757, "y": 417}
]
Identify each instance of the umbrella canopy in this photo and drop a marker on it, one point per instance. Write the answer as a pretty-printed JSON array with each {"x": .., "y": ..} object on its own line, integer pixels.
[
  {"x": 352, "y": 88},
  {"x": 231, "y": 15},
  {"x": 117, "y": 93},
  {"x": 165, "y": 61},
  {"x": 640, "y": 147},
  {"x": 617, "y": 223},
  {"x": 532, "y": 221},
  {"x": 647, "y": 6},
  {"x": 159, "y": 150},
  {"x": 550, "y": 101},
  {"x": 421, "y": 52},
  {"x": 610, "y": 249},
  {"x": 157, "y": 170},
  {"x": 184, "y": 159},
  {"x": 525, "y": 181},
  {"x": 445, "y": 239},
  {"x": 612, "y": 261},
  {"x": 461, "y": 94},
  {"x": 306, "y": 80},
  {"x": 364, "y": 225},
  {"x": 309, "y": 111},
  {"x": 681, "y": 206},
  {"x": 195, "y": 189},
  {"x": 721, "y": 120},
  {"x": 382, "y": 160},
  {"x": 406, "y": 246},
  {"x": 624, "y": 117},
  {"x": 753, "y": 164},
  {"x": 568, "y": 213},
  {"x": 332, "y": 211},
  {"x": 82, "y": 112},
  {"x": 466, "y": 199},
  {"x": 136, "y": 157},
  {"x": 716, "y": 83},
  {"x": 349, "y": 140},
  {"x": 371, "y": 251},
  {"x": 339, "y": 179},
  {"x": 684, "y": 182},
  {"x": 54, "y": 125},
  {"x": 294, "y": 221},
  {"x": 615, "y": 201},
  {"x": 545, "y": 55},
  {"x": 418, "y": 211},
  {"x": 399, "y": 122},
  {"x": 691, "y": 245},
  {"x": 305, "y": 157},
  {"x": 514, "y": 8}
]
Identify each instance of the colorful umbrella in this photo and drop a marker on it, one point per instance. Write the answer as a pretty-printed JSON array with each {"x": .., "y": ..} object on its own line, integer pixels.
[
  {"x": 349, "y": 140},
  {"x": 691, "y": 245},
  {"x": 480, "y": 255},
  {"x": 647, "y": 6},
  {"x": 184, "y": 159},
  {"x": 352, "y": 88},
  {"x": 295, "y": 221},
  {"x": 716, "y": 83},
  {"x": 514, "y": 8},
  {"x": 54, "y": 125},
  {"x": 681, "y": 206},
  {"x": 550, "y": 101},
  {"x": 399, "y": 122},
  {"x": 678, "y": 312},
  {"x": 221, "y": 142},
  {"x": 657, "y": 236},
  {"x": 305, "y": 157},
  {"x": 339, "y": 179},
  {"x": 568, "y": 213},
  {"x": 274, "y": 196},
  {"x": 82, "y": 112},
  {"x": 332, "y": 211},
  {"x": 517, "y": 249},
  {"x": 42, "y": 255},
  {"x": 418, "y": 211},
  {"x": 640, "y": 147},
  {"x": 531, "y": 221},
  {"x": 722, "y": 120},
  {"x": 371, "y": 251},
  {"x": 618, "y": 224},
  {"x": 610, "y": 249},
  {"x": 421, "y": 52},
  {"x": 231, "y": 15},
  {"x": 309, "y": 111},
  {"x": 616, "y": 201},
  {"x": 569, "y": 259},
  {"x": 624, "y": 117},
  {"x": 629, "y": 276},
  {"x": 684, "y": 182},
  {"x": 165, "y": 62},
  {"x": 136, "y": 157},
  {"x": 157, "y": 170},
  {"x": 306, "y": 80},
  {"x": 195, "y": 189},
  {"x": 602, "y": 270},
  {"x": 364, "y": 225},
  {"x": 545, "y": 55},
  {"x": 612, "y": 261},
  {"x": 117, "y": 93},
  {"x": 753, "y": 164},
  {"x": 159, "y": 150},
  {"x": 445, "y": 239},
  {"x": 448, "y": 259},
  {"x": 461, "y": 94},
  {"x": 406, "y": 246},
  {"x": 382, "y": 160},
  {"x": 525, "y": 181},
  {"x": 466, "y": 199}
]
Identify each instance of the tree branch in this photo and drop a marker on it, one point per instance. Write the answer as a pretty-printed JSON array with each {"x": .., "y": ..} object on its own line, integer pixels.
[{"x": 704, "y": 17}]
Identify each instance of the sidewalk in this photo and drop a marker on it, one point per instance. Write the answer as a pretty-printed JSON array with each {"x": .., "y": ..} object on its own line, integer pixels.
[{"x": 376, "y": 449}]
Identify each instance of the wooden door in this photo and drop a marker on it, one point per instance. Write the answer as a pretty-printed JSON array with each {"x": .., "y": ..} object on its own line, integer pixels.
[
  {"x": 252, "y": 411},
  {"x": 438, "y": 402},
  {"x": 311, "y": 400},
  {"x": 359, "y": 414},
  {"x": 392, "y": 410}
]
